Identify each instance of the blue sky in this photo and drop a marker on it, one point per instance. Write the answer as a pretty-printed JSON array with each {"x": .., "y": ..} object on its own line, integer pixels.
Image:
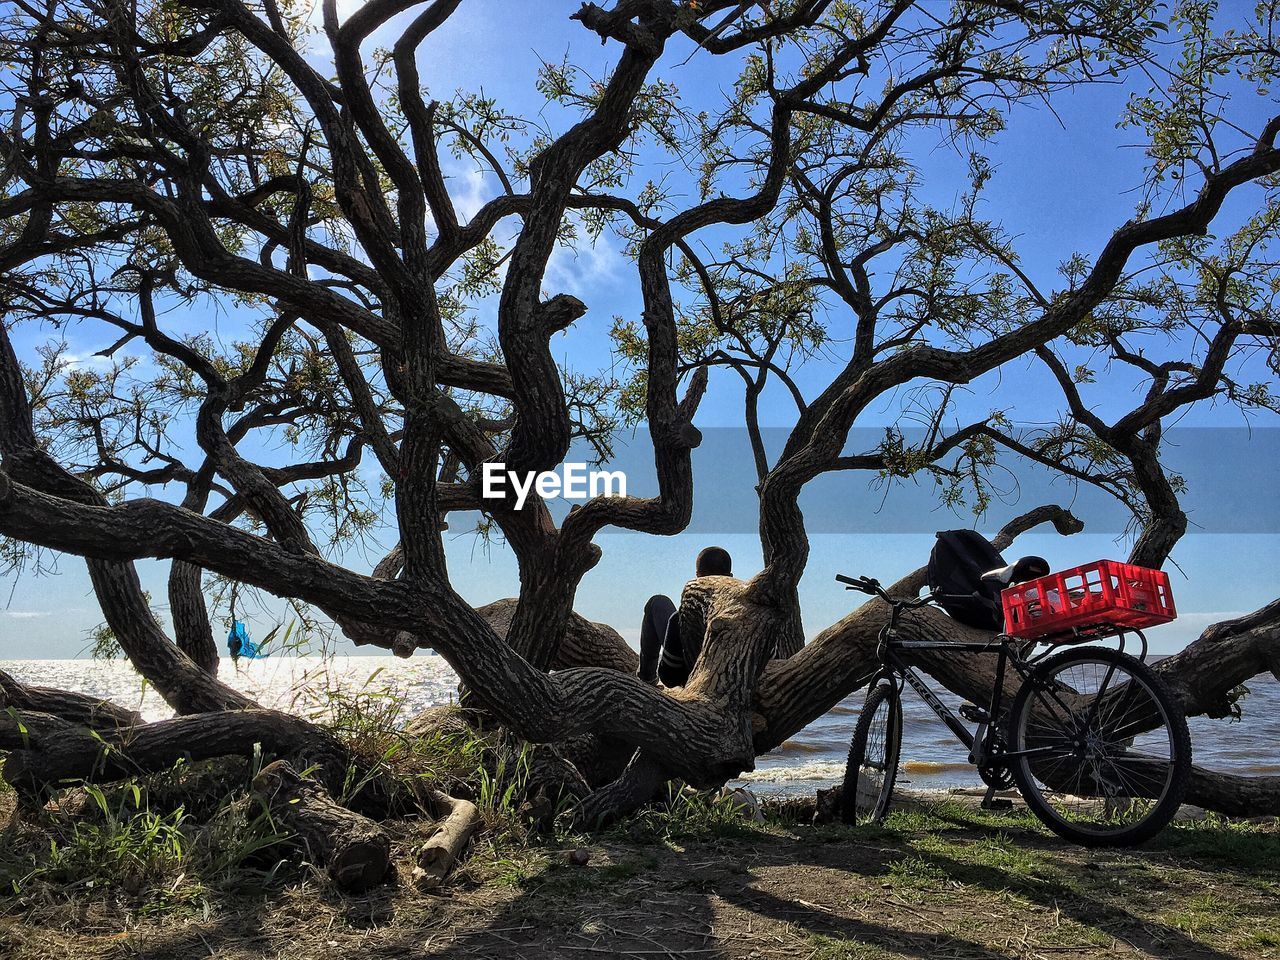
[{"x": 1063, "y": 182}]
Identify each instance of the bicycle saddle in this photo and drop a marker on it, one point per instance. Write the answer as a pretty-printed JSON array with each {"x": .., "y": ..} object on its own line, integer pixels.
[{"x": 1021, "y": 570}]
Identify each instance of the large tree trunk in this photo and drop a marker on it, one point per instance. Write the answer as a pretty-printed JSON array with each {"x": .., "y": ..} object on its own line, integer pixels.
[
  {"x": 1234, "y": 795},
  {"x": 192, "y": 630},
  {"x": 583, "y": 643}
]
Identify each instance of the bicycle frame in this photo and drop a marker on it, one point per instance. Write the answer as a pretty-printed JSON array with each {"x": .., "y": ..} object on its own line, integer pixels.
[
  {"x": 893, "y": 666},
  {"x": 979, "y": 744}
]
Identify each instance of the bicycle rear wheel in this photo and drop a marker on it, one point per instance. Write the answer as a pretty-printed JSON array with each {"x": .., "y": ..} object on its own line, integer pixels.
[
  {"x": 872, "y": 768},
  {"x": 1101, "y": 750}
]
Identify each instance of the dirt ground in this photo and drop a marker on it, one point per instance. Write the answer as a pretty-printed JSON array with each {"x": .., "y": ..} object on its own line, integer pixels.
[{"x": 937, "y": 882}]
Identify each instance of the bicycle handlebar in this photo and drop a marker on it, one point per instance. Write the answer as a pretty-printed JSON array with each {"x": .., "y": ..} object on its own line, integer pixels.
[
  {"x": 871, "y": 586},
  {"x": 857, "y": 583}
]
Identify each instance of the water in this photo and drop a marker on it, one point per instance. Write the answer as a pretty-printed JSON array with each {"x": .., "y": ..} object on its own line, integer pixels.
[{"x": 931, "y": 757}]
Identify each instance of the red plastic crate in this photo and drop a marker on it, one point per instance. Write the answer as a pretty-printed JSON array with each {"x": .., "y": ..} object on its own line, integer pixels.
[{"x": 1100, "y": 597}]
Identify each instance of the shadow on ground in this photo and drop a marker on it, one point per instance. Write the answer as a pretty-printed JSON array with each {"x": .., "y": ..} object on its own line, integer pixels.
[{"x": 936, "y": 882}]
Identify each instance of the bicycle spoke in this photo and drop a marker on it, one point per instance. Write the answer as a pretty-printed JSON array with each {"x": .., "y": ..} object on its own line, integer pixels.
[
  {"x": 1093, "y": 782},
  {"x": 873, "y": 759}
]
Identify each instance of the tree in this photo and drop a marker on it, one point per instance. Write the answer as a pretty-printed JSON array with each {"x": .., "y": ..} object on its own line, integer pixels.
[{"x": 166, "y": 157}]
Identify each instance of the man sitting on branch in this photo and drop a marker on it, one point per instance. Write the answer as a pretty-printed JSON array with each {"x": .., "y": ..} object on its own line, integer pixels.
[{"x": 664, "y": 654}]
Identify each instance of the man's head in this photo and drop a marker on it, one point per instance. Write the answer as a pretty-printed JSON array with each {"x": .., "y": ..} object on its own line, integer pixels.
[{"x": 714, "y": 562}]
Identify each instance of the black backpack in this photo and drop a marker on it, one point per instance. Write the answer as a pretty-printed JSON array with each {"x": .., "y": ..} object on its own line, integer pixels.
[{"x": 956, "y": 565}]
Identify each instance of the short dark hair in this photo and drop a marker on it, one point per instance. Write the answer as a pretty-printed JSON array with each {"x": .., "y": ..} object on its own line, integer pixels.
[{"x": 714, "y": 562}]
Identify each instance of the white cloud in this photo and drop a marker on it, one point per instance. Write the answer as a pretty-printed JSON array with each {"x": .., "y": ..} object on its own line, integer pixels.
[
  {"x": 468, "y": 190},
  {"x": 585, "y": 269},
  {"x": 28, "y": 614},
  {"x": 76, "y": 354}
]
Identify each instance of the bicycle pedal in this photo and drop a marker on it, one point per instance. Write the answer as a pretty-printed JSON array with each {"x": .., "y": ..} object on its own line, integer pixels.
[
  {"x": 997, "y": 803},
  {"x": 974, "y": 713}
]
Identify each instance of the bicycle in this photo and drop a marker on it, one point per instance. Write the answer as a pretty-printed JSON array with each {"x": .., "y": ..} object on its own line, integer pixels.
[{"x": 1093, "y": 740}]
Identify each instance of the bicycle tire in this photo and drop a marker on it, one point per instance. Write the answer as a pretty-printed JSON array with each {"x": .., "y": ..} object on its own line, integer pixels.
[
  {"x": 1091, "y": 749},
  {"x": 881, "y": 712}
]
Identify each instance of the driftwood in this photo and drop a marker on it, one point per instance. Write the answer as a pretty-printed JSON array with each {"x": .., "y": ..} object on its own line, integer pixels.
[
  {"x": 354, "y": 850},
  {"x": 458, "y": 820}
]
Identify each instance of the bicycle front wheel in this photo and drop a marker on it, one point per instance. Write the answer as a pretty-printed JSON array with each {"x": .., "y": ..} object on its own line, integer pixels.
[
  {"x": 1099, "y": 747},
  {"x": 872, "y": 768}
]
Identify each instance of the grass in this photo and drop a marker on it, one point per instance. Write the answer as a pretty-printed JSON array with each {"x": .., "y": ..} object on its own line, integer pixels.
[
  {"x": 688, "y": 814},
  {"x": 915, "y": 873},
  {"x": 690, "y": 875},
  {"x": 831, "y": 948},
  {"x": 1219, "y": 839},
  {"x": 1211, "y": 884},
  {"x": 113, "y": 845},
  {"x": 1265, "y": 941},
  {"x": 187, "y": 863},
  {"x": 174, "y": 841},
  {"x": 370, "y": 722},
  {"x": 968, "y": 866}
]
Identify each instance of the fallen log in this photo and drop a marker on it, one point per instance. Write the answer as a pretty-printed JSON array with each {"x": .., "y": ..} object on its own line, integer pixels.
[
  {"x": 47, "y": 751},
  {"x": 354, "y": 850},
  {"x": 1234, "y": 794},
  {"x": 641, "y": 783},
  {"x": 457, "y": 821},
  {"x": 89, "y": 711}
]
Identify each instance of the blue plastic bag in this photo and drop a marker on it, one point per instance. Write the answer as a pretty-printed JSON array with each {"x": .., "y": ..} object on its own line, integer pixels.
[{"x": 240, "y": 633}]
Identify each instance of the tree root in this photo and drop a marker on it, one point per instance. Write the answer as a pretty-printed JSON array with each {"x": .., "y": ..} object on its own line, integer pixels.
[
  {"x": 639, "y": 785},
  {"x": 551, "y": 779}
]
